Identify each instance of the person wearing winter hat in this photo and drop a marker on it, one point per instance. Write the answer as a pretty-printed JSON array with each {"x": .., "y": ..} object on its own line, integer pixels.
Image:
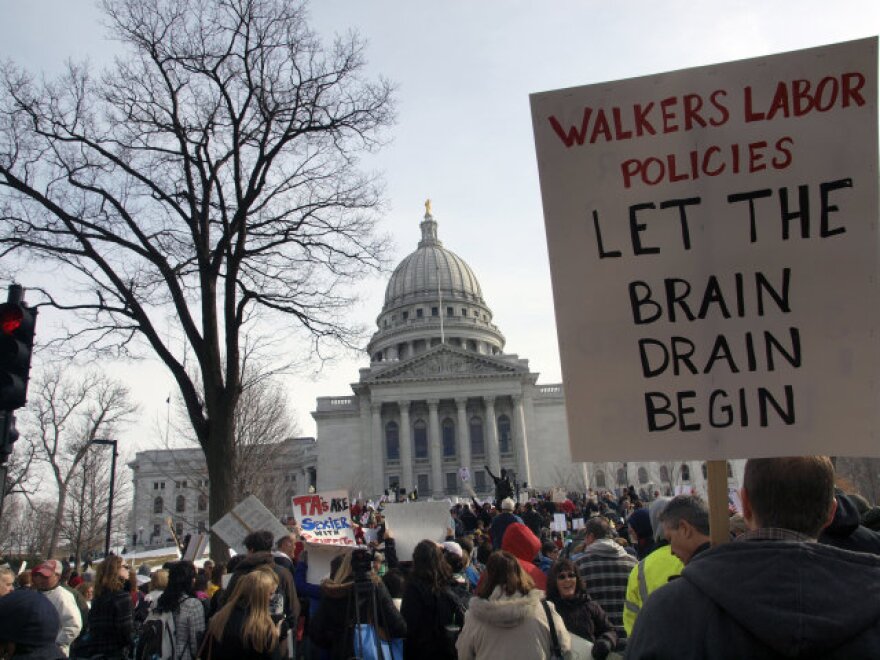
[
  {"x": 501, "y": 522},
  {"x": 640, "y": 532},
  {"x": 525, "y": 546},
  {"x": 47, "y": 579},
  {"x": 29, "y": 624}
]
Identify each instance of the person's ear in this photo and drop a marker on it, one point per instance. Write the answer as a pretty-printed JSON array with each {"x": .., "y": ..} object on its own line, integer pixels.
[
  {"x": 831, "y": 511},
  {"x": 748, "y": 514}
]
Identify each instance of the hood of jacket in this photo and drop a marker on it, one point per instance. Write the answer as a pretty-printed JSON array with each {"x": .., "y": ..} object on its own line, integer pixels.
[
  {"x": 606, "y": 548},
  {"x": 503, "y": 611},
  {"x": 521, "y": 542},
  {"x": 253, "y": 560},
  {"x": 797, "y": 598}
]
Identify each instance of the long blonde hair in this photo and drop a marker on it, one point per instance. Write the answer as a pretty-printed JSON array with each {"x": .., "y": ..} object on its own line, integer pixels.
[
  {"x": 107, "y": 575},
  {"x": 253, "y": 591}
]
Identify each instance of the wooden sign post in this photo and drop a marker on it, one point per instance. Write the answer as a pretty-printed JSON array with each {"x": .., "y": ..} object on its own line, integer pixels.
[{"x": 719, "y": 516}]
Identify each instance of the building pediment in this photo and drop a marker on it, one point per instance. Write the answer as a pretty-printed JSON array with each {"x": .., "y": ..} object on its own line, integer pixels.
[{"x": 444, "y": 362}]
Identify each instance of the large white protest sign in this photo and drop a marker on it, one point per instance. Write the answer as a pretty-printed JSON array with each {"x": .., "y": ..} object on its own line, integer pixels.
[
  {"x": 713, "y": 245},
  {"x": 319, "y": 558},
  {"x": 411, "y": 522},
  {"x": 248, "y": 516},
  {"x": 324, "y": 518}
]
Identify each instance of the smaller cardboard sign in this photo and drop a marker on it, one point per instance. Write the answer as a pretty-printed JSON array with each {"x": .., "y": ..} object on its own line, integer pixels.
[
  {"x": 248, "y": 516},
  {"x": 577, "y": 523},
  {"x": 558, "y": 524},
  {"x": 196, "y": 547},
  {"x": 319, "y": 559},
  {"x": 324, "y": 518},
  {"x": 412, "y": 522},
  {"x": 464, "y": 474},
  {"x": 371, "y": 535}
]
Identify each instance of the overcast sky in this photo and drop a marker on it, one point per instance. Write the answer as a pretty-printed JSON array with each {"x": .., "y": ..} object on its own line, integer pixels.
[{"x": 464, "y": 71}]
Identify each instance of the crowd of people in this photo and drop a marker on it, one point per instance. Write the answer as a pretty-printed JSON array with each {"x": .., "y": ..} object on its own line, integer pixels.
[{"x": 635, "y": 578}]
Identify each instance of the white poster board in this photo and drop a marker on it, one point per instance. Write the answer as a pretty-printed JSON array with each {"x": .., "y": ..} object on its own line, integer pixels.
[
  {"x": 412, "y": 522},
  {"x": 319, "y": 558},
  {"x": 247, "y": 516},
  {"x": 324, "y": 518},
  {"x": 713, "y": 245}
]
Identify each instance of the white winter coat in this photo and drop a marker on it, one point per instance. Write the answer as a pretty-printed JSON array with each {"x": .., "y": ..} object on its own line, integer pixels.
[
  {"x": 68, "y": 612},
  {"x": 505, "y": 626}
]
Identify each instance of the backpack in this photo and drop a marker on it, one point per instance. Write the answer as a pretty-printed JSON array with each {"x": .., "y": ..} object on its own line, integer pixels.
[{"x": 157, "y": 638}]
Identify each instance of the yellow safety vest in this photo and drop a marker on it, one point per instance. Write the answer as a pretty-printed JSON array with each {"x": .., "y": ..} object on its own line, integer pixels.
[{"x": 649, "y": 574}]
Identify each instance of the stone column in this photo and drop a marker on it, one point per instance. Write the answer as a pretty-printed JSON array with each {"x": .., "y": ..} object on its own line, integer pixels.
[
  {"x": 463, "y": 437},
  {"x": 521, "y": 441},
  {"x": 376, "y": 451},
  {"x": 302, "y": 482},
  {"x": 406, "y": 472},
  {"x": 436, "y": 449},
  {"x": 493, "y": 456}
]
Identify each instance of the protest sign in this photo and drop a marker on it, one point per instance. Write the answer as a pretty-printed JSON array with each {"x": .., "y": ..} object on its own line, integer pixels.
[
  {"x": 712, "y": 235},
  {"x": 196, "y": 547},
  {"x": 411, "y": 522},
  {"x": 577, "y": 523},
  {"x": 558, "y": 524},
  {"x": 324, "y": 518},
  {"x": 248, "y": 516},
  {"x": 464, "y": 474},
  {"x": 319, "y": 558}
]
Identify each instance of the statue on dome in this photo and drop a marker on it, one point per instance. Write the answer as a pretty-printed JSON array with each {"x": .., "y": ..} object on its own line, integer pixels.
[{"x": 427, "y": 207}]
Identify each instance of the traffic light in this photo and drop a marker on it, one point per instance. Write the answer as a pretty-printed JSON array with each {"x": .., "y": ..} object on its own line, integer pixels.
[{"x": 17, "y": 325}]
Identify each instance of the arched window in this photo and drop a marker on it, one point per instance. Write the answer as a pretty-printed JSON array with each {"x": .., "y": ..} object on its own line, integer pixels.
[
  {"x": 392, "y": 442},
  {"x": 180, "y": 504},
  {"x": 478, "y": 448},
  {"x": 420, "y": 438},
  {"x": 664, "y": 474},
  {"x": 203, "y": 502},
  {"x": 621, "y": 477},
  {"x": 600, "y": 479},
  {"x": 685, "y": 472},
  {"x": 448, "y": 428},
  {"x": 705, "y": 470},
  {"x": 157, "y": 505},
  {"x": 643, "y": 475},
  {"x": 504, "y": 444}
]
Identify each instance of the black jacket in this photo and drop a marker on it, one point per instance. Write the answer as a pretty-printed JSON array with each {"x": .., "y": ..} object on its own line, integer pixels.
[
  {"x": 285, "y": 582},
  {"x": 765, "y": 599},
  {"x": 232, "y": 645},
  {"x": 846, "y": 530},
  {"x": 331, "y": 627},
  {"x": 585, "y": 618},
  {"x": 427, "y": 613}
]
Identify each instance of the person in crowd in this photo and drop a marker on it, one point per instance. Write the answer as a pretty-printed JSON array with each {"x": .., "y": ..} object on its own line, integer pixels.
[
  {"x": 507, "y": 619},
  {"x": 582, "y": 615},
  {"x": 457, "y": 559},
  {"x": 343, "y": 605},
  {"x": 501, "y": 521},
  {"x": 285, "y": 550},
  {"x": 685, "y": 523},
  {"x": 773, "y": 592},
  {"x": 532, "y": 519},
  {"x": 179, "y": 598},
  {"x": 653, "y": 571},
  {"x": 640, "y": 532},
  {"x": 7, "y": 580},
  {"x": 200, "y": 586},
  {"x": 217, "y": 573},
  {"x": 47, "y": 580},
  {"x": 25, "y": 580},
  {"x": 846, "y": 529},
  {"x": 525, "y": 546},
  {"x": 471, "y": 570},
  {"x": 605, "y": 567},
  {"x": 29, "y": 625},
  {"x": 243, "y": 629},
  {"x": 87, "y": 590},
  {"x": 110, "y": 618},
  {"x": 158, "y": 584},
  {"x": 430, "y": 604},
  {"x": 219, "y": 596},
  {"x": 285, "y": 603},
  {"x": 549, "y": 554}
]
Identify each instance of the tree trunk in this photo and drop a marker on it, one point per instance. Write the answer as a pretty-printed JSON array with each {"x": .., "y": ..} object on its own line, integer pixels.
[
  {"x": 219, "y": 451},
  {"x": 58, "y": 521}
]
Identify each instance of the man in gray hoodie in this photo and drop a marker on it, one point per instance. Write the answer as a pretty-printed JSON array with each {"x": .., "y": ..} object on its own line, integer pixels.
[{"x": 774, "y": 592}]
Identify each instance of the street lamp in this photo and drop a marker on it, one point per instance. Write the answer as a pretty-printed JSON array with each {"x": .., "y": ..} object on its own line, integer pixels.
[{"x": 101, "y": 441}]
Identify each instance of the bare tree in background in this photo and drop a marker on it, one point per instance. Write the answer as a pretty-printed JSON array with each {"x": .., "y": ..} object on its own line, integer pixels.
[
  {"x": 65, "y": 413},
  {"x": 210, "y": 179}
]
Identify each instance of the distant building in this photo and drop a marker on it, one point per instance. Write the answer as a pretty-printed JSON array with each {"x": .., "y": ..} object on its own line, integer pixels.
[{"x": 172, "y": 484}]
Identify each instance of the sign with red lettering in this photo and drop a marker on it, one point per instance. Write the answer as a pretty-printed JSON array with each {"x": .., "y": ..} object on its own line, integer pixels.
[
  {"x": 324, "y": 518},
  {"x": 713, "y": 246}
]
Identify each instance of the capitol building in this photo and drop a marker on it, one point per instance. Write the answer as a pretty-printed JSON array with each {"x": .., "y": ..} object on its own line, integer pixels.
[{"x": 439, "y": 403}]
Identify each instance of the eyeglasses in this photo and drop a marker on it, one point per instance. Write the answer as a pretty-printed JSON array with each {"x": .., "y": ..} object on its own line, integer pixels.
[{"x": 566, "y": 576}]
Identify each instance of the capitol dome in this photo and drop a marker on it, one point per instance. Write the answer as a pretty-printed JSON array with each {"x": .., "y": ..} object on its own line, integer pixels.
[{"x": 433, "y": 297}]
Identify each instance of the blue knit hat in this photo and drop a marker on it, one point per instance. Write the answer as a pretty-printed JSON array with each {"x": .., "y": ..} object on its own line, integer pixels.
[
  {"x": 29, "y": 619},
  {"x": 640, "y": 521}
]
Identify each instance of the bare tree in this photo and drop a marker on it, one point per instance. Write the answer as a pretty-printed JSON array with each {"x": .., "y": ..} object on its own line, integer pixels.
[
  {"x": 84, "y": 520},
  {"x": 65, "y": 414},
  {"x": 210, "y": 176}
]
